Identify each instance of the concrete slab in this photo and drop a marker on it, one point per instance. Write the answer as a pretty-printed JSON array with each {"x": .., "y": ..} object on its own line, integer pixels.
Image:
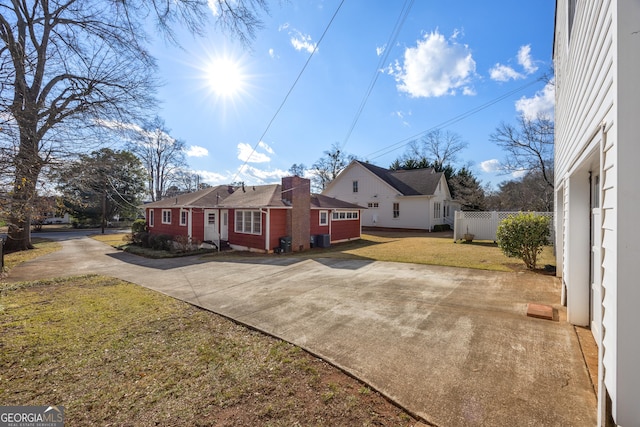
[{"x": 453, "y": 346}]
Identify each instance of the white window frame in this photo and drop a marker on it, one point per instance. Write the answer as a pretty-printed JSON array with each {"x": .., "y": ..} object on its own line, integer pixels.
[
  {"x": 166, "y": 216},
  {"x": 396, "y": 210},
  {"x": 248, "y": 222},
  {"x": 373, "y": 205},
  {"x": 345, "y": 215},
  {"x": 355, "y": 186},
  {"x": 151, "y": 217},
  {"x": 323, "y": 218},
  {"x": 436, "y": 210},
  {"x": 184, "y": 217}
]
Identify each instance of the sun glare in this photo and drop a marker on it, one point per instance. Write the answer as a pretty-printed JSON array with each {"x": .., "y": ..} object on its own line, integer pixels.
[{"x": 225, "y": 77}]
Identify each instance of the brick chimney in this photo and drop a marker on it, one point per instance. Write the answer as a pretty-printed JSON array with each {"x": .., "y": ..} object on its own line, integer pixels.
[{"x": 296, "y": 192}]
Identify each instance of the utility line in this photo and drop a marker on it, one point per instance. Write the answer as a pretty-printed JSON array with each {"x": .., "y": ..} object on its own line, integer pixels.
[
  {"x": 315, "y": 48},
  {"x": 404, "y": 13},
  {"x": 404, "y": 142}
]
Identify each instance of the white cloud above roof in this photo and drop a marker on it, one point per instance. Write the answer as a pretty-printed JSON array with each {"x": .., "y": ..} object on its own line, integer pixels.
[
  {"x": 504, "y": 73},
  {"x": 524, "y": 59},
  {"x": 246, "y": 153},
  {"x": 301, "y": 41},
  {"x": 435, "y": 67}
]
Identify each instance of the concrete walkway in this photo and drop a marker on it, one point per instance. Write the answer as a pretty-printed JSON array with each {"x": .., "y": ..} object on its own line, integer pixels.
[{"x": 453, "y": 346}]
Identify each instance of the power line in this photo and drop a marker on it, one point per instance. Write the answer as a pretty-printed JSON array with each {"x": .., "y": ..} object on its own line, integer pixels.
[
  {"x": 383, "y": 59},
  {"x": 304, "y": 67},
  {"x": 404, "y": 142}
]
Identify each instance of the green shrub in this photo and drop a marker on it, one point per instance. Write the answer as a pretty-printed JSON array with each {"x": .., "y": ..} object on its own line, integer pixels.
[
  {"x": 139, "y": 226},
  {"x": 161, "y": 242},
  {"x": 523, "y": 236}
]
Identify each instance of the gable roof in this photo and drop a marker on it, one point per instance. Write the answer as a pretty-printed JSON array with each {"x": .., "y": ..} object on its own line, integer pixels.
[
  {"x": 318, "y": 201},
  {"x": 255, "y": 196},
  {"x": 413, "y": 182},
  {"x": 211, "y": 196},
  {"x": 249, "y": 197}
]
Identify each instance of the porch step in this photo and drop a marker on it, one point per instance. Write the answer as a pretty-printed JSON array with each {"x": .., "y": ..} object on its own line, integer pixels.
[{"x": 540, "y": 311}]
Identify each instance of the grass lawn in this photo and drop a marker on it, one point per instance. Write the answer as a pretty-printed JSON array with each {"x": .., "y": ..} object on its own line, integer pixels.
[
  {"x": 113, "y": 353},
  {"x": 42, "y": 247},
  {"x": 409, "y": 247}
]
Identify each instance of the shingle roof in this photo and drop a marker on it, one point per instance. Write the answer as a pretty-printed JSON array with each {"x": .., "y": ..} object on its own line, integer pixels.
[
  {"x": 326, "y": 202},
  {"x": 255, "y": 196},
  {"x": 211, "y": 196},
  {"x": 258, "y": 196},
  {"x": 413, "y": 182}
]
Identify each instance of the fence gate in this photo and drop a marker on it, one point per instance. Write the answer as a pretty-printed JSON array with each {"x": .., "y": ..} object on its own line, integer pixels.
[{"x": 484, "y": 225}]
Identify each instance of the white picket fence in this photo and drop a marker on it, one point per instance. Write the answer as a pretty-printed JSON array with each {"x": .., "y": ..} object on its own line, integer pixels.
[{"x": 483, "y": 225}]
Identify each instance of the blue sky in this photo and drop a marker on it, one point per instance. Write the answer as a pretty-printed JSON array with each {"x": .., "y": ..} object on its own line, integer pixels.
[{"x": 447, "y": 60}]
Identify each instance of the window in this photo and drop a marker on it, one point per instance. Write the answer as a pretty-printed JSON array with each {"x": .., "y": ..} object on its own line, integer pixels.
[
  {"x": 343, "y": 215},
  {"x": 211, "y": 218},
  {"x": 396, "y": 210},
  {"x": 249, "y": 222},
  {"x": 372, "y": 204},
  {"x": 183, "y": 217},
  {"x": 436, "y": 210},
  {"x": 166, "y": 216},
  {"x": 355, "y": 186},
  {"x": 324, "y": 217},
  {"x": 151, "y": 217}
]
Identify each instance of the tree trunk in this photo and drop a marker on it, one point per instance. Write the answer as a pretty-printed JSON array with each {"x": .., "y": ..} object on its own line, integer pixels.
[{"x": 28, "y": 167}]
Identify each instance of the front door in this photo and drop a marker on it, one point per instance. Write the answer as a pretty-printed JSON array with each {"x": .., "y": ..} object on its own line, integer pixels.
[
  {"x": 595, "y": 295},
  {"x": 224, "y": 225},
  {"x": 211, "y": 232}
]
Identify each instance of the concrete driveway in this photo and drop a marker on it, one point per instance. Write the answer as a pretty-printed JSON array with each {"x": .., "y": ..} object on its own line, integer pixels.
[{"x": 453, "y": 346}]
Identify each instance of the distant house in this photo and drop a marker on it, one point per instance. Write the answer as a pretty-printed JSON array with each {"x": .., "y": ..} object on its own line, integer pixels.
[
  {"x": 407, "y": 199},
  {"x": 597, "y": 157},
  {"x": 257, "y": 218}
]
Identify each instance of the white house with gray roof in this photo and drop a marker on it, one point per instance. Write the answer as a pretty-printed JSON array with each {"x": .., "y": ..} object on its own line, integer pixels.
[{"x": 408, "y": 199}]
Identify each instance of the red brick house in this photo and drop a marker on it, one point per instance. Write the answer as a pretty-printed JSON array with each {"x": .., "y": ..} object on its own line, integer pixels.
[{"x": 258, "y": 217}]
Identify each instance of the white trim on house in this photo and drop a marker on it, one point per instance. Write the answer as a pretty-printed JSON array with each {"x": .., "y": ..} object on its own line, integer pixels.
[{"x": 166, "y": 216}]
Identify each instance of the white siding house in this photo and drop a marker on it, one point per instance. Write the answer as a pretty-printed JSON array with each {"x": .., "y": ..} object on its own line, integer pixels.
[
  {"x": 597, "y": 166},
  {"x": 410, "y": 199}
]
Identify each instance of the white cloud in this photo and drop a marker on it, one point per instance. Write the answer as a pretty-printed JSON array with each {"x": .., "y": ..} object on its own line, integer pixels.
[
  {"x": 246, "y": 153},
  {"x": 213, "y": 178},
  {"x": 524, "y": 59},
  {"x": 283, "y": 27},
  {"x": 492, "y": 165},
  {"x": 265, "y": 147},
  {"x": 540, "y": 104},
  {"x": 252, "y": 175},
  {"x": 197, "y": 151},
  {"x": 503, "y": 73},
  {"x": 272, "y": 54},
  {"x": 435, "y": 67},
  {"x": 380, "y": 50},
  {"x": 301, "y": 41},
  {"x": 518, "y": 174}
]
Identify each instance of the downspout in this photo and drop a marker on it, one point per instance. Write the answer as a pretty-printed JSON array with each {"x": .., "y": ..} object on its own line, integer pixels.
[
  {"x": 267, "y": 229},
  {"x": 190, "y": 225}
]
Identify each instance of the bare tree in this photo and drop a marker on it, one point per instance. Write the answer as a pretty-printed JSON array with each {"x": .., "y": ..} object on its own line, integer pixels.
[
  {"x": 162, "y": 156},
  {"x": 327, "y": 168},
  {"x": 436, "y": 149},
  {"x": 529, "y": 146},
  {"x": 66, "y": 64}
]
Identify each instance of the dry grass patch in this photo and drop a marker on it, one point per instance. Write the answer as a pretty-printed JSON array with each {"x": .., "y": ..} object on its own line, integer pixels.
[
  {"x": 113, "y": 353},
  {"x": 116, "y": 240},
  {"x": 41, "y": 247}
]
